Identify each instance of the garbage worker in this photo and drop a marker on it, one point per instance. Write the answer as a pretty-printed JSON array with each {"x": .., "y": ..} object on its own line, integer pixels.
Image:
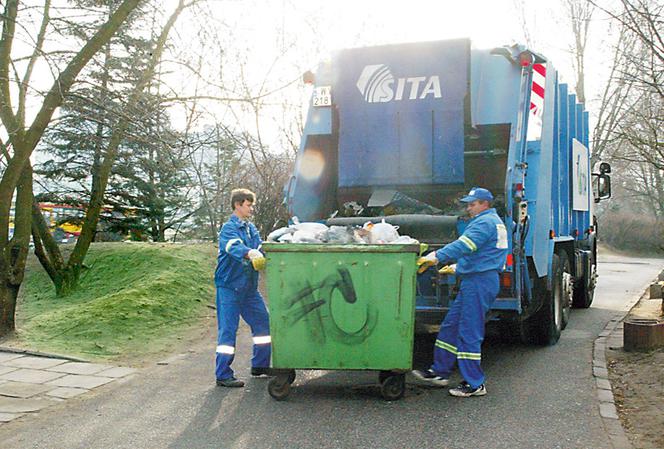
[
  {"x": 236, "y": 280},
  {"x": 480, "y": 254}
]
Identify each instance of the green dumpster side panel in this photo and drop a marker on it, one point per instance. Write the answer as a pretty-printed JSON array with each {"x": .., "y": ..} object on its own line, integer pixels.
[{"x": 341, "y": 306}]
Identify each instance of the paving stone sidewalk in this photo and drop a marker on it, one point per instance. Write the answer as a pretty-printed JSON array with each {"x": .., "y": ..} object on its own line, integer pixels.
[{"x": 31, "y": 383}]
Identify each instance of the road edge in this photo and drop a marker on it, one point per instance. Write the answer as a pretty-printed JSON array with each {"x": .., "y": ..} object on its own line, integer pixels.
[{"x": 612, "y": 335}]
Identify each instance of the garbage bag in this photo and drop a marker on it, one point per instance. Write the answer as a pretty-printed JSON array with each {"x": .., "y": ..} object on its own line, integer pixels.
[
  {"x": 339, "y": 235},
  {"x": 275, "y": 235},
  {"x": 405, "y": 240},
  {"x": 306, "y": 236},
  {"x": 382, "y": 232},
  {"x": 286, "y": 238},
  {"x": 311, "y": 226}
]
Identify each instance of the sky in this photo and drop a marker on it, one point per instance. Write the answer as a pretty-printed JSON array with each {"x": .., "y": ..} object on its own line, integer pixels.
[
  {"x": 280, "y": 39},
  {"x": 270, "y": 43}
]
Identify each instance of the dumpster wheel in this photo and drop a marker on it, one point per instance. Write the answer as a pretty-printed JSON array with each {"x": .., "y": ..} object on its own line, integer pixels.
[
  {"x": 393, "y": 387},
  {"x": 280, "y": 385}
]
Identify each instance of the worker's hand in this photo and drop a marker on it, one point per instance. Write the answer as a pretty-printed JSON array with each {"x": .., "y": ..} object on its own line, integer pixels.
[
  {"x": 254, "y": 253},
  {"x": 257, "y": 259},
  {"x": 448, "y": 269},
  {"x": 424, "y": 263},
  {"x": 258, "y": 263}
]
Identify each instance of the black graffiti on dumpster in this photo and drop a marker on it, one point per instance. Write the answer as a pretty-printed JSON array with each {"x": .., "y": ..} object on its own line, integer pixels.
[{"x": 313, "y": 303}]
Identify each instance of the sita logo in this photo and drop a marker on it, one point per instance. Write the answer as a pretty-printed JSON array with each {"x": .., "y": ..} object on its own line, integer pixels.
[{"x": 377, "y": 85}]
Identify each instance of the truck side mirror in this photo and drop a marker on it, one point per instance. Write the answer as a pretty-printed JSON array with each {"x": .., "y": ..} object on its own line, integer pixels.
[
  {"x": 601, "y": 187},
  {"x": 604, "y": 167}
]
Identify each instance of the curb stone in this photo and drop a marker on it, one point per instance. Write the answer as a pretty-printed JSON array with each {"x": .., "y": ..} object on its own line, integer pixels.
[
  {"x": 41, "y": 354},
  {"x": 611, "y": 336}
]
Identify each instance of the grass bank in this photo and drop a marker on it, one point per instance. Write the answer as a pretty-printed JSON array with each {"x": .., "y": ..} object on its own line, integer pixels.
[{"x": 134, "y": 299}]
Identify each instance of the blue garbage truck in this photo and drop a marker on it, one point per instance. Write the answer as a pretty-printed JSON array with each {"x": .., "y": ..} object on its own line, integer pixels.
[{"x": 401, "y": 132}]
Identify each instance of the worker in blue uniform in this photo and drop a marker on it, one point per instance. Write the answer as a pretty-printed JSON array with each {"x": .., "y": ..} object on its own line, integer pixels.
[
  {"x": 480, "y": 255},
  {"x": 236, "y": 279}
]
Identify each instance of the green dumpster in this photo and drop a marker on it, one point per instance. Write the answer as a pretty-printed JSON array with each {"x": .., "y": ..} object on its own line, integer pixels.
[{"x": 341, "y": 307}]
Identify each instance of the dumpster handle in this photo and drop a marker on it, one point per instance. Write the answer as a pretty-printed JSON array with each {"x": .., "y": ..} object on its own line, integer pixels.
[{"x": 400, "y": 292}]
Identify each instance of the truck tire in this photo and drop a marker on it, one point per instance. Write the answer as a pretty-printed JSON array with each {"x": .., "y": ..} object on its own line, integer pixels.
[
  {"x": 567, "y": 287},
  {"x": 584, "y": 289},
  {"x": 544, "y": 326},
  {"x": 584, "y": 286}
]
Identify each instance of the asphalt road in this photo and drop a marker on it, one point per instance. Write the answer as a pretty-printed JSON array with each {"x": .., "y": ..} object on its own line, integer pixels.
[{"x": 538, "y": 398}]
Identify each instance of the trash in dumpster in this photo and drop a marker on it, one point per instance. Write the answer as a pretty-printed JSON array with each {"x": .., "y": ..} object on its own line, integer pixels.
[
  {"x": 340, "y": 235},
  {"x": 381, "y": 232},
  {"x": 307, "y": 236},
  {"x": 313, "y": 232}
]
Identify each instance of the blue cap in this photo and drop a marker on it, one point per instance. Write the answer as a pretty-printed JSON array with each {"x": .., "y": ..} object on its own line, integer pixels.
[{"x": 477, "y": 193}]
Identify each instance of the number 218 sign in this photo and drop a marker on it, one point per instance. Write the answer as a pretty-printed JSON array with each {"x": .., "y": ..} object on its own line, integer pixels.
[{"x": 322, "y": 96}]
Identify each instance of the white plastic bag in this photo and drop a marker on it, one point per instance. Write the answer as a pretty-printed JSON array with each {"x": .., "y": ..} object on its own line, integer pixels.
[
  {"x": 305, "y": 236},
  {"x": 275, "y": 236},
  {"x": 311, "y": 226},
  {"x": 405, "y": 240},
  {"x": 382, "y": 232}
]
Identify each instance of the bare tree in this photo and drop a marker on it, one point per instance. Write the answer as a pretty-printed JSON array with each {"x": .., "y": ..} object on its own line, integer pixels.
[
  {"x": 23, "y": 138},
  {"x": 615, "y": 97},
  {"x": 631, "y": 129},
  {"x": 579, "y": 14}
]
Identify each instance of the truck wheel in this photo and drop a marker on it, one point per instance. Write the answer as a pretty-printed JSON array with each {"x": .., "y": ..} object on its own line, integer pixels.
[
  {"x": 584, "y": 290},
  {"x": 545, "y": 325},
  {"x": 584, "y": 287},
  {"x": 583, "y": 297},
  {"x": 567, "y": 287}
]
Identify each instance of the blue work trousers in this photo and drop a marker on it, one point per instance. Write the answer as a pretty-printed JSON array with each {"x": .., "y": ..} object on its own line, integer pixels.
[
  {"x": 462, "y": 331},
  {"x": 251, "y": 307}
]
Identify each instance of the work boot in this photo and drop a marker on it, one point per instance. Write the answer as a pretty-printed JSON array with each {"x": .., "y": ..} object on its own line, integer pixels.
[
  {"x": 430, "y": 377},
  {"x": 261, "y": 372},
  {"x": 464, "y": 390},
  {"x": 231, "y": 382}
]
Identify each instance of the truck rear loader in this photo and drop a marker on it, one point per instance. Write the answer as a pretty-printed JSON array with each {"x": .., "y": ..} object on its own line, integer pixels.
[{"x": 401, "y": 132}]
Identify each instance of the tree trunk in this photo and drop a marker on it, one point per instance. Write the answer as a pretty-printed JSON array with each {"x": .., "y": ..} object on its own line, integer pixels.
[
  {"x": 8, "y": 296},
  {"x": 68, "y": 280},
  {"x": 14, "y": 254}
]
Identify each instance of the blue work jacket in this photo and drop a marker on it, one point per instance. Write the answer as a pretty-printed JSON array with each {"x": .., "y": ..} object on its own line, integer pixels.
[
  {"x": 234, "y": 271},
  {"x": 481, "y": 248}
]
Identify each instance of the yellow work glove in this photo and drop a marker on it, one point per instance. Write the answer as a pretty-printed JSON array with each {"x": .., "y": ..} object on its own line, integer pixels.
[
  {"x": 424, "y": 263},
  {"x": 258, "y": 263},
  {"x": 448, "y": 269},
  {"x": 257, "y": 259}
]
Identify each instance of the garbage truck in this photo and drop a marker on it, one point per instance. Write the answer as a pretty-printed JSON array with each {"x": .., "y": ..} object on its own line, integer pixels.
[{"x": 400, "y": 132}]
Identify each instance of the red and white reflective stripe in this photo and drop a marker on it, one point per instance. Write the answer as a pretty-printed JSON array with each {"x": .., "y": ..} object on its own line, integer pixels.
[
  {"x": 537, "y": 97},
  {"x": 264, "y": 340},
  {"x": 225, "y": 349}
]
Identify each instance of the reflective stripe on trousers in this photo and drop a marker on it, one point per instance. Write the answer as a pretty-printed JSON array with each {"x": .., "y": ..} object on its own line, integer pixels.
[
  {"x": 462, "y": 331},
  {"x": 249, "y": 305}
]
